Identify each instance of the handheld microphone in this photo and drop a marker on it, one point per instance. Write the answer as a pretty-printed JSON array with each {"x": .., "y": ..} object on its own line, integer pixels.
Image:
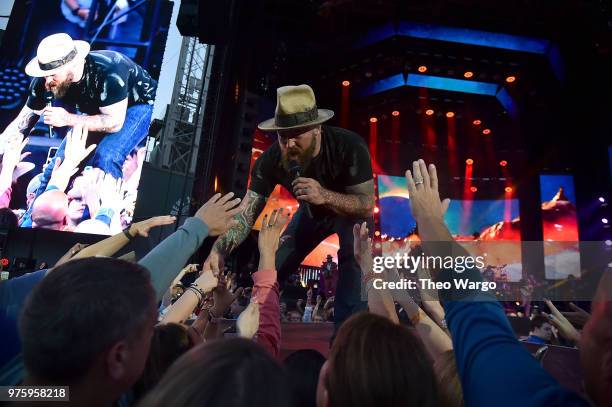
[
  {"x": 49, "y": 99},
  {"x": 294, "y": 170}
]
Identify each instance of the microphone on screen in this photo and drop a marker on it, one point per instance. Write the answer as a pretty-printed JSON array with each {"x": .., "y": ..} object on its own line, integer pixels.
[
  {"x": 295, "y": 170},
  {"x": 49, "y": 99}
]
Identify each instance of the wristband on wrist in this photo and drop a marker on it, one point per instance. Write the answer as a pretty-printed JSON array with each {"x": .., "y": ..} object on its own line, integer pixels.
[{"x": 127, "y": 234}]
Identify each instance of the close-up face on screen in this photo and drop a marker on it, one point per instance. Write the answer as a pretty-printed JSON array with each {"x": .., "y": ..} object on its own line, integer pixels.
[{"x": 77, "y": 91}]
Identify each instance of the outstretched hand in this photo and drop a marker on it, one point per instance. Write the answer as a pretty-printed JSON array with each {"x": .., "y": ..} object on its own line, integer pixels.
[
  {"x": 248, "y": 321},
  {"x": 566, "y": 329},
  {"x": 218, "y": 212},
  {"x": 271, "y": 228},
  {"x": 422, "y": 184},
  {"x": 142, "y": 228},
  {"x": 362, "y": 247}
]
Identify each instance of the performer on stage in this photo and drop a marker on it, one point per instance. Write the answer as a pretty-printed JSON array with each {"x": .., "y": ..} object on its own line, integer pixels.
[
  {"x": 109, "y": 94},
  {"x": 335, "y": 189}
]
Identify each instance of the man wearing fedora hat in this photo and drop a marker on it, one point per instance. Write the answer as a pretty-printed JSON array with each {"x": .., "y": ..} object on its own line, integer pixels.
[
  {"x": 334, "y": 186},
  {"x": 110, "y": 95}
]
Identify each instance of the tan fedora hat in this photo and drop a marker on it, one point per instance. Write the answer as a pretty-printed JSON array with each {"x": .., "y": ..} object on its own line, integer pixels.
[
  {"x": 53, "y": 53},
  {"x": 295, "y": 107}
]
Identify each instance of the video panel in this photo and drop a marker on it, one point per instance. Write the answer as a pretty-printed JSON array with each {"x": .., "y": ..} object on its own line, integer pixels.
[{"x": 78, "y": 82}]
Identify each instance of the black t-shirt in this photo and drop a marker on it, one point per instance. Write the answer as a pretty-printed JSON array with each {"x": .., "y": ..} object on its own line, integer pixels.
[
  {"x": 344, "y": 161},
  {"x": 108, "y": 78}
]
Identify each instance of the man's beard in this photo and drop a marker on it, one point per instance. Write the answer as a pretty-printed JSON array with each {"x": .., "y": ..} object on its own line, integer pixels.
[
  {"x": 303, "y": 158},
  {"x": 60, "y": 89}
]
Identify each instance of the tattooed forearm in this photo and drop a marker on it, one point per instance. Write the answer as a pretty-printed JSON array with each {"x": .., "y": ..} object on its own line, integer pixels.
[
  {"x": 357, "y": 202},
  {"x": 100, "y": 122},
  {"x": 231, "y": 239},
  {"x": 26, "y": 123}
]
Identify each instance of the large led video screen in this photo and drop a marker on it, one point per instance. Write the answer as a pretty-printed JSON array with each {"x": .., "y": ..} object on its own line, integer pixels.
[
  {"x": 559, "y": 227},
  {"x": 78, "y": 82},
  {"x": 489, "y": 228}
]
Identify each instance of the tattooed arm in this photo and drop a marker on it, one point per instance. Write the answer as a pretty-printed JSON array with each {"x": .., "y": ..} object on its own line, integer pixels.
[
  {"x": 357, "y": 202},
  {"x": 23, "y": 123},
  {"x": 252, "y": 205},
  {"x": 110, "y": 119}
]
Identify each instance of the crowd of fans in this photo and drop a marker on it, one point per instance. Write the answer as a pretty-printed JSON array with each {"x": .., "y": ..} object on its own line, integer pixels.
[
  {"x": 74, "y": 198},
  {"x": 118, "y": 332}
]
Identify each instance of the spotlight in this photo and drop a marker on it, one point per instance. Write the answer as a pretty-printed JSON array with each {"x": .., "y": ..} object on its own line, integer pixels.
[
  {"x": 486, "y": 131},
  {"x": 377, "y": 233},
  {"x": 346, "y": 83},
  {"x": 503, "y": 163},
  {"x": 395, "y": 113},
  {"x": 508, "y": 189},
  {"x": 376, "y": 209},
  {"x": 473, "y": 189},
  {"x": 476, "y": 122},
  {"x": 604, "y": 220},
  {"x": 422, "y": 68},
  {"x": 602, "y": 199},
  {"x": 608, "y": 242},
  {"x": 469, "y": 161},
  {"x": 510, "y": 79},
  {"x": 429, "y": 112},
  {"x": 373, "y": 119},
  {"x": 468, "y": 74},
  {"x": 450, "y": 114}
]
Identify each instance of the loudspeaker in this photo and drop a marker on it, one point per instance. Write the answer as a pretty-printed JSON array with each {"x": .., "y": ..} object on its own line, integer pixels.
[{"x": 209, "y": 20}]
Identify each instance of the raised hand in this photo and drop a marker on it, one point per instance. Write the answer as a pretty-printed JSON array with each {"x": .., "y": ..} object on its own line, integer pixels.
[
  {"x": 12, "y": 151},
  {"x": 76, "y": 149},
  {"x": 362, "y": 247},
  {"x": 248, "y": 321},
  {"x": 422, "y": 185},
  {"x": 578, "y": 316},
  {"x": 566, "y": 329},
  {"x": 142, "y": 228},
  {"x": 223, "y": 297},
  {"x": 271, "y": 228},
  {"x": 111, "y": 193},
  {"x": 218, "y": 212},
  {"x": 206, "y": 281}
]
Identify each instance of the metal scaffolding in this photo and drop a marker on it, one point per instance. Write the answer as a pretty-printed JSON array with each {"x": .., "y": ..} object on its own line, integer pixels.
[{"x": 180, "y": 139}]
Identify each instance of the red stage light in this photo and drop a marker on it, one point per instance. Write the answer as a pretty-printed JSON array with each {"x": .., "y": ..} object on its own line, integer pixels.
[
  {"x": 450, "y": 114},
  {"x": 476, "y": 122},
  {"x": 508, "y": 189},
  {"x": 473, "y": 189},
  {"x": 429, "y": 112},
  {"x": 468, "y": 74},
  {"x": 376, "y": 210},
  {"x": 503, "y": 163},
  {"x": 422, "y": 68},
  {"x": 345, "y": 83},
  {"x": 4, "y": 262},
  {"x": 373, "y": 119},
  {"x": 395, "y": 113},
  {"x": 469, "y": 161},
  {"x": 486, "y": 131},
  {"x": 510, "y": 79}
]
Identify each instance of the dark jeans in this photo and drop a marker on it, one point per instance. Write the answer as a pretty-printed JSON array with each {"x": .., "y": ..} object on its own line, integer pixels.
[
  {"x": 303, "y": 235},
  {"x": 112, "y": 148}
]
